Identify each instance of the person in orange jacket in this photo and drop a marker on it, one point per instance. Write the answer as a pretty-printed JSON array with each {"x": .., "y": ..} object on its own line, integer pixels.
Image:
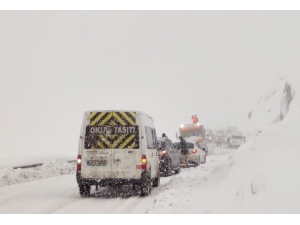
[{"x": 195, "y": 119}]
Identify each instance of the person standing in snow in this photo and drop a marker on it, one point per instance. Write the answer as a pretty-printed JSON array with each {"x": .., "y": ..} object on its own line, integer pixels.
[
  {"x": 218, "y": 142},
  {"x": 184, "y": 152},
  {"x": 195, "y": 119}
]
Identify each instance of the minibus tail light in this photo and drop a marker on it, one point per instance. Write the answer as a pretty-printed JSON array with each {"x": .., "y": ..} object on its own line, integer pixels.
[
  {"x": 79, "y": 163},
  {"x": 144, "y": 162}
]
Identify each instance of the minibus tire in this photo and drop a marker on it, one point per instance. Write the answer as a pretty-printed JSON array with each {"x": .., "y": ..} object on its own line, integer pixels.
[
  {"x": 146, "y": 184},
  {"x": 85, "y": 190}
]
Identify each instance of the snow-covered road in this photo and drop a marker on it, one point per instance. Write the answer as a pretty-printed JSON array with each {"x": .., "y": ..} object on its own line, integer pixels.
[{"x": 59, "y": 195}]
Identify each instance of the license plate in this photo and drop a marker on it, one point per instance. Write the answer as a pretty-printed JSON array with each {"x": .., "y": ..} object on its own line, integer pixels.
[{"x": 100, "y": 162}]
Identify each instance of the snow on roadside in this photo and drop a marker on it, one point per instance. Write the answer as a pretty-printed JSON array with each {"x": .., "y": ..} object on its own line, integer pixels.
[
  {"x": 51, "y": 168},
  {"x": 263, "y": 177}
]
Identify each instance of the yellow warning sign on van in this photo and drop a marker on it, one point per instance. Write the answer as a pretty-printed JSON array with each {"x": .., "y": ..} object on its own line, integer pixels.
[{"x": 112, "y": 130}]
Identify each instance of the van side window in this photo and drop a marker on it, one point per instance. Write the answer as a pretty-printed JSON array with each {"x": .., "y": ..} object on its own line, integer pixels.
[
  {"x": 150, "y": 137},
  {"x": 154, "y": 136}
]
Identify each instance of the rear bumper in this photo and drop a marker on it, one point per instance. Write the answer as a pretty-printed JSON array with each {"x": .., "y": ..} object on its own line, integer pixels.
[
  {"x": 193, "y": 158},
  {"x": 163, "y": 164},
  {"x": 108, "y": 181},
  {"x": 236, "y": 143}
]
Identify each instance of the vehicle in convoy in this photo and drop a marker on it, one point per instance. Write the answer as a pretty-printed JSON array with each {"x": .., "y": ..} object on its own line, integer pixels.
[
  {"x": 220, "y": 137},
  {"x": 229, "y": 130},
  {"x": 235, "y": 139},
  {"x": 197, "y": 152},
  {"x": 195, "y": 131},
  {"x": 117, "y": 148},
  {"x": 203, "y": 151},
  {"x": 168, "y": 156},
  {"x": 208, "y": 136}
]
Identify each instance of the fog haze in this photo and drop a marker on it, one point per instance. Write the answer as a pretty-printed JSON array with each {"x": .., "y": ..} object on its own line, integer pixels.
[{"x": 54, "y": 65}]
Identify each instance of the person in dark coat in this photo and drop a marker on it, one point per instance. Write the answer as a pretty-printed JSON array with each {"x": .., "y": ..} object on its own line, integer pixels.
[{"x": 184, "y": 152}]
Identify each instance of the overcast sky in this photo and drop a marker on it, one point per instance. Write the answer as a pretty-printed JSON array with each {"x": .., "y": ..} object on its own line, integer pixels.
[{"x": 54, "y": 65}]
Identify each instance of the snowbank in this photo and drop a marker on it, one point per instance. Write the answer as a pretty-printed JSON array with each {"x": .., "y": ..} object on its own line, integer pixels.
[
  {"x": 263, "y": 177},
  {"x": 50, "y": 168}
]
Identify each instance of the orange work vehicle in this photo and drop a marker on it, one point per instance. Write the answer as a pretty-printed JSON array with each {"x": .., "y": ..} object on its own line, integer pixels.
[{"x": 194, "y": 131}]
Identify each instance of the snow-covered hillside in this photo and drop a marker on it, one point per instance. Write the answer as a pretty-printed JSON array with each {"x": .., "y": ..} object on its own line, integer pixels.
[
  {"x": 263, "y": 177},
  {"x": 272, "y": 107}
]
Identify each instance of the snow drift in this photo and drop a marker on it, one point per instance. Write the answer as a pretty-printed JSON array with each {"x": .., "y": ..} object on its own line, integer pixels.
[
  {"x": 50, "y": 168},
  {"x": 264, "y": 172},
  {"x": 271, "y": 108}
]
